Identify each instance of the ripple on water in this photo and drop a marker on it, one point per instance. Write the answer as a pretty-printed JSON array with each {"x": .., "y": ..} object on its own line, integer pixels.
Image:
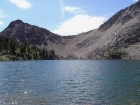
[{"x": 70, "y": 82}]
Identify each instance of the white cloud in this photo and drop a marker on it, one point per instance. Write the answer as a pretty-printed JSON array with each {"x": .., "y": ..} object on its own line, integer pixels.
[
  {"x": 75, "y": 10},
  {"x": 1, "y": 23},
  {"x": 23, "y": 4},
  {"x": 136, "y": 0},
  {"x": 69, "y": 9},
  {"x": 79, "y": 23}
]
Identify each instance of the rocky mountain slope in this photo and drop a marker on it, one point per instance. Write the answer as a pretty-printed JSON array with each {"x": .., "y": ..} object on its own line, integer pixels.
[{"x": 121, "y": 33}]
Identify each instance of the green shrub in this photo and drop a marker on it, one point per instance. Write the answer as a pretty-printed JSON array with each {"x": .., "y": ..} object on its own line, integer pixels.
[{"x": 115, "y": 55}]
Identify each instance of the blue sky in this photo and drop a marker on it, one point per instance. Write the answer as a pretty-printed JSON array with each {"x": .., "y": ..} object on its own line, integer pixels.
[{"x": 64, "y": 17}]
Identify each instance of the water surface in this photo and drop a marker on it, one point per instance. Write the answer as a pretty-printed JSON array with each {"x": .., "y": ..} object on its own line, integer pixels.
[{"x": 70, "y": 82}]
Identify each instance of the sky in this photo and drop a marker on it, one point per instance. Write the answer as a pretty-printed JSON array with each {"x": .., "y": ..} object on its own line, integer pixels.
[{"x": 63, "y": 17}]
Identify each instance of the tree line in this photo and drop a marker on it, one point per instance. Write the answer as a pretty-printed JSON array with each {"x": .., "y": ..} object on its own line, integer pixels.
[{"x": 10, "y": 50}]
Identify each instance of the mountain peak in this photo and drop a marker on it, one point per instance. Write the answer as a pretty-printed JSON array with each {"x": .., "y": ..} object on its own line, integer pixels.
[
  {"x": 18, "y": 21},
  {"x": 34, "y": 35},
  {"x": 13, "y": 23}
]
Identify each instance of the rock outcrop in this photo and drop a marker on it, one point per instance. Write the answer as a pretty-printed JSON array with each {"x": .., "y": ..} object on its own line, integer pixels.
[{"x": 33, "y": 35}]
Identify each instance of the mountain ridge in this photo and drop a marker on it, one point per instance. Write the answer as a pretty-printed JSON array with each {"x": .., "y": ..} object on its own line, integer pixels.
[
  {"x": 115, "y": 18},
  {"x": 119, "y": 35}
]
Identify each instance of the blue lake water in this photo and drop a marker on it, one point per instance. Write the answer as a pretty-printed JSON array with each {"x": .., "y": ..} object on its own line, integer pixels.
[{"x": 70, "y": 82}]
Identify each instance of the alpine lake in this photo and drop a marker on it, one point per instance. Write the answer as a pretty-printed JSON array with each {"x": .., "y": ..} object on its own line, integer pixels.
[{"x": 70, "y": 82}]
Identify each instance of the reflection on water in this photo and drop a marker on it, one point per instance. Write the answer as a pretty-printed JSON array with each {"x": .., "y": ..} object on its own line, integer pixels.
[{"x": 75, "y": 82}]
